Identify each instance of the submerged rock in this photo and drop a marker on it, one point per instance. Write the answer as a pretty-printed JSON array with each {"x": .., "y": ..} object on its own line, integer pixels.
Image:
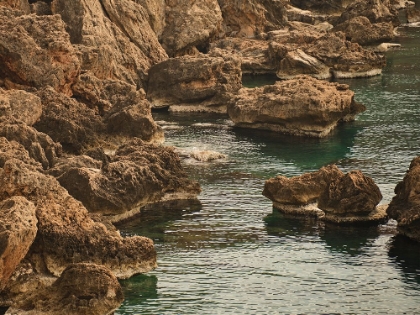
[
  {"x": 303, "y": 107},
  {"x": 405, "y": 205}
]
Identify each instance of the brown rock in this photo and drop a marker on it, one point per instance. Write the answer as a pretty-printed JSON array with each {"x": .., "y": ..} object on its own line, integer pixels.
[
  {"x": 21, "y": 5},
  {"x": 405, "y": 206},
  {"x": 156, "y": 11},
  {"x": 300, "y": 190},
  {"x": 413, "y": 15},
  {"x": 20, "y": 105},
  {"x": 18, "y": 227},
  {"x": 40, "y": 146},
  {"x": 36, "y": 52},
  {"x": 13, "y": 149},
  {"x": 136, "y": 175},
  {"x": 321, "y": 6},
  {"x": 82, "y": 289},
  {"x": 194, "y": 83},
  {"x": 190, "y": 25},
  {"x": 360, "y": 30},
  {"x": 304, "y": 107}
]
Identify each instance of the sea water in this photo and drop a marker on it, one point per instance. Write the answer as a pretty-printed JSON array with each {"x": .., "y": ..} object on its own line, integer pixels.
[{"x": 234, "y": 254}]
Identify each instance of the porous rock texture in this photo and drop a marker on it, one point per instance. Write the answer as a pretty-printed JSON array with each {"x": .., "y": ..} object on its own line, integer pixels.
[
  {"x": 405, "y": 205},
  {"x": 20, "y": 105},
  {"x": 304, "y": 107}
]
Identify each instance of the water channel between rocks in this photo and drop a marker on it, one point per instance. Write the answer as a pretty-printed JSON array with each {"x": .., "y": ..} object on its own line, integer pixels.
[{"x": 235, "y": 255}]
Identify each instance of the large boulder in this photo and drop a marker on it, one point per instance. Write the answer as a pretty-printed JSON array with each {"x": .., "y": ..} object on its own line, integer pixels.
[
  {"x": 138, "y": 174},
  {"x": 200, "y": 83},
  {"x": 36, "y": 52},
  {"x": 82, "y": 289},
  {"x": 20, "y": 105},
  {"x": 18, "y": 227},
  {"x": 190, "y": 26},
  {"x": 352, "y": 198},
  {"x": 114, "y": 38},
  {"x": 405, "y": 205},
  {"x": 304, "y": 107}
]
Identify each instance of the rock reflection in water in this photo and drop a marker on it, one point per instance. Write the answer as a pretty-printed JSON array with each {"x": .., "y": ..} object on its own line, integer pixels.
[{"x": 139, "y": 289}]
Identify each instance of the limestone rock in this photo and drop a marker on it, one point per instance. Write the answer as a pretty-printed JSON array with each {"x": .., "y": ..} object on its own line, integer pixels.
[
  {"x": 17, "y": 232},
  {"x": 36, "y": 52},
  {"x": 190, "y": 25},
  {"x": 68, "y": 121},
  {"x": 360, "y": 30},
  {"x": 304, "y": 106},
  {"x": 82, "y": 289},
  {"x": 21, "y": 5},
  {"x": 194, "y": 83},
  {"x": 346, "y": 59},
  {"x": 66, "y": 232},
  {"x": 114, "y": 39},
  {"x": 320, "y": 6},
  {"x": 349, "y": 196},
  {"x": 246, "y": 19},
  {"x": 300, "y": 190},
  {"x": 20, "y": 105},
  {"x": 376, "y": 11},
  {"x": 413, "y": 15},
  {"x": 156, "y": 11},
  {"x": 405, "y": 205},
  {"x": 136, "y": 175},
  {"x": 13, "y": 149},
  {"x": 40, "y": 146}
]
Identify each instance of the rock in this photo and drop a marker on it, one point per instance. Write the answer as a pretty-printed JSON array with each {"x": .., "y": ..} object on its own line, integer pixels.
[
  {"x": 298, "y": 62},
  {"x": 405, "y": 205},
  {"x": 40, "y": 146},
  {"x": 114, "y": 39},
  {"x": 246, "y": 19},
  {"x": 20, "y": 105},
  {"x": 13, "y": 149},
  {"x": 346, "y": 60},
  {"x": 304, "y": 107},
  {"x": 300, "y": 190},
  {"x": 17, "y": 232},
  {"x": 66, "y": 232},
  {"x": 384, "y": 47},
  {"x": 21, "y": 5},
  {"x": 41, "y": 8},
  {"x": 156, "y": 11},
  {"x": 68, "y": 121},
  {"x": 36, "y": 52},
  {"x": 360, "y": 30},
  {"x": 206, "y": 155},
  {"x": 401, "y": 4},
  {"x": 190, "y": 26},
  {"x": 138, "y": 174},
  {"x": 304, "y": 16},
  {"x": 194, "y": 84},
  {"x": 320, "y": 6},
  {"x": 413, "y": 15},
  {"x": 376, "y": 11},
  {"x": 352, "y": 198},
  {"x": 82, "y": 289}
]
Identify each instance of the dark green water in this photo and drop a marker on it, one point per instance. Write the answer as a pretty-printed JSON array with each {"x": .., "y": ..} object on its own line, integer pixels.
[{"x": 234, "y": 255}]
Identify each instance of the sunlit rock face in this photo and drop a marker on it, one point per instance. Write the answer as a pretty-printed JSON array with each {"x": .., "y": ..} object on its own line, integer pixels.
[
  {"x": 303, "y": 107},
  {"x": 405, "y": 206}
]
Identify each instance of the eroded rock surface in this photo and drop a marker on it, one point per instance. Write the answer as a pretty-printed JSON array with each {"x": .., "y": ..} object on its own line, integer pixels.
[
  {"x": 20, "y": 105},
  {"x": 405, "y": 206},
  {"x": 304, "y": 107}
]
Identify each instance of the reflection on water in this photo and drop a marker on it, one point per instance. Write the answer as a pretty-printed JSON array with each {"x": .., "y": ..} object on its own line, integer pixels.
[{"x": 233, "y": 254}]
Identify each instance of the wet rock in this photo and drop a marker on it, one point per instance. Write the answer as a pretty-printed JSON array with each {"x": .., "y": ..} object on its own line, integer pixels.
[
  {"x": 18, "y": 227},
  {"x": 68, "y": 121},
  {"x": 194, "y": 84},
  {"x": 405, "y": 205},
  {"x": 36, "y": 52},
  {"x": 114, "y": 39},
  {"x": 190, "y": 26},
  {"x": 346, "y": 59},
  {"x": 247, "y": 19},
  {"x": 138, "y": 174},
  {"x": 413, "y": 15},
  {"x": 304, "y": 107},
  {"x": 66, "y": 232},
  {"x": 360, "y": 30},
  {"x": 82, "y": 289},
  {"x": 206, "y": 155},
  {"x": 352, "y": 198},
  {"x": 40, "y": 146},
  {"x": 20, "y": 105}
]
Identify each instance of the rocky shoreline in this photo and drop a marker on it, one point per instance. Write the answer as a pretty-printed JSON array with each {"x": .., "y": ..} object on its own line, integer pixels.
[{"x": 79, "y": 149}]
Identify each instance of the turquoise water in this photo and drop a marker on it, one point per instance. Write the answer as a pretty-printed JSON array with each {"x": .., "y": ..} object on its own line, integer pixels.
[{"x": 232, "y": 254}]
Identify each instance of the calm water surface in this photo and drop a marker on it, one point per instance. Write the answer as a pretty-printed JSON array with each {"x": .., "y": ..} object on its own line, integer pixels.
[{"x": 234, "y": 255}]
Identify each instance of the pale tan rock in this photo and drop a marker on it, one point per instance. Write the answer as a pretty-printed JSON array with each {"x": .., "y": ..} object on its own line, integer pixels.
[
  {"x": 324, "y": 7},
  {"x": 20, "y": 105},
  {"x": 36, "y": 52},
  {"x": 156, "y": 11},
  {"x": 18, "y": 227},
  {"x": 303, "y": 106},
  {"x": 21, "y": 5}
]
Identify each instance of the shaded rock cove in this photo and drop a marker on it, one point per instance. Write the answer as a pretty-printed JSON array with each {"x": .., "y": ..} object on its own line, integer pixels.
[{"x": 93, "y": 95}]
